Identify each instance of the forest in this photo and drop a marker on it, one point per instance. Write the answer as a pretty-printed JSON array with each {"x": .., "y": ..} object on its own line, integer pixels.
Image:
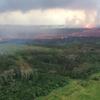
[{"x": 39, "y": 67}]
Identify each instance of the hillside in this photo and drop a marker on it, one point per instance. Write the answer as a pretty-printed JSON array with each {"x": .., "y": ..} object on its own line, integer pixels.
[
  {"x": 77, "y": 90},
  {"x": 50, "y": 71}
]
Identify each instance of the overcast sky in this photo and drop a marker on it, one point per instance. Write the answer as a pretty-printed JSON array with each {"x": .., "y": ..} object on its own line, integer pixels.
[{"x": 72, "y": 13}]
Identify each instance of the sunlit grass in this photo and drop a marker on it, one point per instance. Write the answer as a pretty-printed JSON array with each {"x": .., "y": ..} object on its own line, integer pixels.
[
  {"x": 75, "y": 91},
  {"x": 11, "y": 48}
]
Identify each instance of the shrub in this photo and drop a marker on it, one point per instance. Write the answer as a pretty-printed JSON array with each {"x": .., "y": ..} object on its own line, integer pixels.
[{"x": 96, "y": 78}]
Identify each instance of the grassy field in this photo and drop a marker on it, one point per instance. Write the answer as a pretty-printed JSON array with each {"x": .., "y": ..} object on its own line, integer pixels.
[
  {"x": 77, "y": 90},
  {"x": 11, "y": 48}
]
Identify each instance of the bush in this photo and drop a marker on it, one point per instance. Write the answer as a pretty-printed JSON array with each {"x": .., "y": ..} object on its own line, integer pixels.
[
  {"x": 96, "y": 78},
  {"x": 84, "y": 83}
]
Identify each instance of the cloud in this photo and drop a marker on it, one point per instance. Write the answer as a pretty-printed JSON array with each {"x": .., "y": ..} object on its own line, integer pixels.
[
  {"x": 81, "y": 18},
  {"x": 45, "y": 17},
  {"x": 34, "y": 17},
  {"x": 50, "y": 12},
  {"x": 26, "y": 5},
  {"x": 70, "y": 18}
]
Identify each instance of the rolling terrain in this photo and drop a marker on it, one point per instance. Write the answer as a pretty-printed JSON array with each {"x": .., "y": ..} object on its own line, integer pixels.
[{"x": 57, "y": 69}]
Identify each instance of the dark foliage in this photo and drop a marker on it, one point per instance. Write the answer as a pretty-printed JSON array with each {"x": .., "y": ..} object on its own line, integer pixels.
[{"x": 50, "y": 68}]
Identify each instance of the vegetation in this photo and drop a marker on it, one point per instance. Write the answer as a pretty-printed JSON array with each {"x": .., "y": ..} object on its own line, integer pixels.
[
  {"x": 37, "y": 69},
  {"x": 77, "y": 90}
]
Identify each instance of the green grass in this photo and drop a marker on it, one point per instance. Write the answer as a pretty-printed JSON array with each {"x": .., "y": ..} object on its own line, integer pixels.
[
  {"x": 9, "y": 48},
  {"x": 75, "y": 91}
]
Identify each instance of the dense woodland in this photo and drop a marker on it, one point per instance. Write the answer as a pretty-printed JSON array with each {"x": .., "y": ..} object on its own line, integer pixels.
[{"x": 31, "y": 73}]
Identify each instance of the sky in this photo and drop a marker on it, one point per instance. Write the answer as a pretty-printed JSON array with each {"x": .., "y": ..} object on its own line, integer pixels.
[{"x": 72, "y": 13}]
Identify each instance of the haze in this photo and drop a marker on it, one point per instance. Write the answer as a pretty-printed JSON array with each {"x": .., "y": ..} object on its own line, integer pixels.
[{"x": 71, "y": 13}]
